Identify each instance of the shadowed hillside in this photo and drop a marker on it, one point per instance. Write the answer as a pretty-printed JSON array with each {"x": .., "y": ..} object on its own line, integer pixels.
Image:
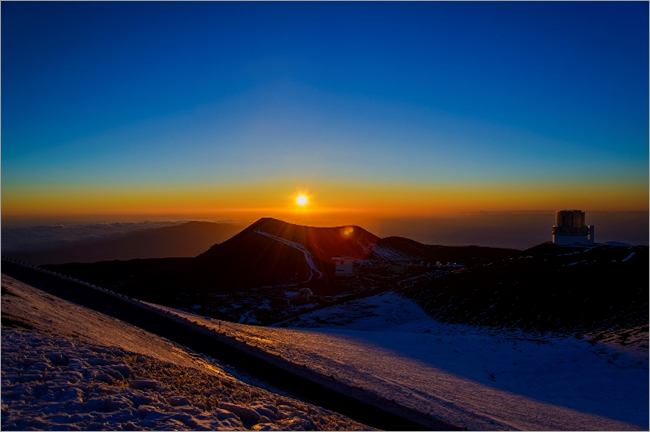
[{"x": 547, "y": 287}]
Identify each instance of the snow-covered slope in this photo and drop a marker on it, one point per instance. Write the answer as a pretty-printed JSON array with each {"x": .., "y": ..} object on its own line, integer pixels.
[
  {"x": 478, "y": 378},
  {"x": 67, "y": 367}
]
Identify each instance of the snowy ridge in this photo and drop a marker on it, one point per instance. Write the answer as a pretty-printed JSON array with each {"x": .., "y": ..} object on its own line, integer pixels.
[
  {"x": 462, "y": 375},
  {"x": 301, "y": 248},
  {"x": 628, "y": 257},
  {"x": 67, "y": 367},
  {"x": 390, "y": 254}
]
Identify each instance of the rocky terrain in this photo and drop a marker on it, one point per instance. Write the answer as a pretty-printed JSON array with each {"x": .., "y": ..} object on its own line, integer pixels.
[{"x": 547, "y": 287}]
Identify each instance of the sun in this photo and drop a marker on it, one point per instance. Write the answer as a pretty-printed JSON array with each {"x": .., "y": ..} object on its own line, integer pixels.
[{"x": 301, "y": 200}]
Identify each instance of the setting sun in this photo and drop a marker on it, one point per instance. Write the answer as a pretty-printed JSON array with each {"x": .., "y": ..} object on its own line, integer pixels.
[{"x": 301, "y": 200}]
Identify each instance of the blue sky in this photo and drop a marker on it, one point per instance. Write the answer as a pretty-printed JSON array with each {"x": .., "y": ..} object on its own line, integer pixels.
[{"x": 100, "y": 97}]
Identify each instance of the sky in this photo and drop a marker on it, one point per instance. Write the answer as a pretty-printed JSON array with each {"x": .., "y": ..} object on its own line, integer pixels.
[{"x": 231, "y": 109}]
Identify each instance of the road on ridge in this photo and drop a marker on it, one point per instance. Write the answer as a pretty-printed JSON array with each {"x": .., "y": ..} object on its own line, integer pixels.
[{"x": 167, "y": 327}]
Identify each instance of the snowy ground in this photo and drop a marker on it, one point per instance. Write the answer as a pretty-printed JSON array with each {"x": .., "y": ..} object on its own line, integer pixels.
[
  {"x": 67, "y": 367},
  {"x": 472, "y": 377}
]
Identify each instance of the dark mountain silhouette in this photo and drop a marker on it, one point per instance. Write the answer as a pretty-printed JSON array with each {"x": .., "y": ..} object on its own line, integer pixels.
[
  {"x": 252, "y": 275},
  {"x": 271, "y": 253},
  {"x": 324, "y": 243},
  {"x": 547, "y": 287},
  {"x": 467, "y": 255},
  {"x": 185, "y": 240}
]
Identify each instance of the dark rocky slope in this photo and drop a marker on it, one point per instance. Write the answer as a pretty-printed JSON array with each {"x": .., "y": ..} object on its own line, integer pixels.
[{"x": 547, "y": 287}]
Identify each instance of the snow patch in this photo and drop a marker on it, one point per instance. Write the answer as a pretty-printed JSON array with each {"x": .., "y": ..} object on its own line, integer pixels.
[
  {"x": 479, "y": 378},
  {"x": 628, "y": 257}
]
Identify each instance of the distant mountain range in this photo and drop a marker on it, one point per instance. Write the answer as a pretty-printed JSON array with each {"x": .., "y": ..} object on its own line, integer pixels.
[{"x": 184, "y": 240}]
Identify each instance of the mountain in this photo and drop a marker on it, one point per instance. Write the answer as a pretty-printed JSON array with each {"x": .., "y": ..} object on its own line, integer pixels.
[
  {"x": 256, "y": 275},
  {"x": 466, "y": 255},
  {"x": 184, "y": 240},
  {"x": 547, "y": 287},
  {"x": 271, "y": 253}
]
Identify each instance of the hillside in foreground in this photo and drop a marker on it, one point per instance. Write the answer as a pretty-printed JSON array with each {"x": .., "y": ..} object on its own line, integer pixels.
[
  {"x": 478, "y": 378},
  {"x": 481, "y": 378},
  {"x": 65, "y": 367}
]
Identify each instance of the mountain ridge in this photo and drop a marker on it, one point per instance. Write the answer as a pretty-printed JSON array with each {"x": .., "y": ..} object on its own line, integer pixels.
[{"x": 271, "y": 252}]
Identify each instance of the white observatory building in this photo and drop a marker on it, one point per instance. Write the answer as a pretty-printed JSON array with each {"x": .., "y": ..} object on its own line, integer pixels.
[
  {"x": 570, "y": 229},
  {"x": 343, "y": 266}
]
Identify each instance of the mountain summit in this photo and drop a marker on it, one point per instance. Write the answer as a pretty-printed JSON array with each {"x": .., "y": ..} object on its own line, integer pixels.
[{"x": 271, "y": 252}]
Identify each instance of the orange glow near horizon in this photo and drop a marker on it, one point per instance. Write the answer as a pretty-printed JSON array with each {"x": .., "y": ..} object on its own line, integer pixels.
[{"x": 385, "y": 200}]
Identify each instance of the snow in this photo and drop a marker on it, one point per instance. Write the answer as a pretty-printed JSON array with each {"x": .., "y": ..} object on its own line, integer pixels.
[
  {"x": 571, "y": 253},
  {"x": 389, "y": 254},
  {"x": 247, "y": 317},
  {"x": 68, "y": 367},
  {"x": 299, "y": 247},
  {"x": 632, "y": 341},
  {"x": 628, "y": 257},
  {"x": 477, "y": 378}
]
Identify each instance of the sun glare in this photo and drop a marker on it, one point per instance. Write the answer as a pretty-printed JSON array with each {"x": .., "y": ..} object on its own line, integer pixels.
[{"x": 301, "y": 200}]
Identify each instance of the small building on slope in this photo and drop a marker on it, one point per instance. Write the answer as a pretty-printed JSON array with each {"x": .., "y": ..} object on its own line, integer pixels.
[{"x": 343, "y": 266}]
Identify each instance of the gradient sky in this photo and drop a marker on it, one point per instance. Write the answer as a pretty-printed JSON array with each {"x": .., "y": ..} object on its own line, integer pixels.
[{"x": 221, "y": 109}]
